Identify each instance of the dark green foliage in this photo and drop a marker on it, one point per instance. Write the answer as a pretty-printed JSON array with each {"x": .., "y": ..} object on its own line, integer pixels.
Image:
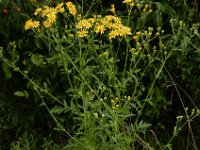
[{"x": 46, "y": 98}]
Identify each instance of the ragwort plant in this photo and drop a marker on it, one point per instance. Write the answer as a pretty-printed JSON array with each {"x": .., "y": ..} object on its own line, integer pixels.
[{"x": 109, "y": 70}]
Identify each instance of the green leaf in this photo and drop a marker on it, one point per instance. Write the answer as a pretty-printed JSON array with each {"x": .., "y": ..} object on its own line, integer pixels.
[
  {"x": 166, "y": 9},
  {"x": 14, "y": 55},
  {"x": 21, "y": 93},
  {"x": 38, "y": 60},
  {"x": 39, "y": 43},
  {"x": 58, "y": 110},
  {"x": 150, "y": 101},
  {"x": 142, "y": 126},
  {"x": 7, "y": 71},
  {"x": 158, "y": 18}
]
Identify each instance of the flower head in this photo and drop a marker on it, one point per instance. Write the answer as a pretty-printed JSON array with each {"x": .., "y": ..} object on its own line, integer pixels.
[
  {"x": 28, "y": 24},
  {"x": 31, "y": 24},
  {"x": 60, "y": 8},
  {"x": 45, "y": 11},
  {"x": 47, "y": 24},
  {"x": 112, "y": 34},
  {"x": 35, "y": 24},
  {"x": 127, "y": 1},
  {"x": 126, "y": 30},
  {"x": 37, "y": 11},
  {"x": 71, "y": 7},
  {"x": 112, "y": 8},
  {"x": 82, "y": 33},
  {"x": 100, "y": 29},
  {"x": 51, "y": 17},
  {"x": 84, "y": 23}
]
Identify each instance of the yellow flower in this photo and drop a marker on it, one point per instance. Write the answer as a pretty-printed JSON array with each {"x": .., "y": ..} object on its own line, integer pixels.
[
  {"x": 117, "y": 20},
  {"x": 82, "y": 33},
  {"x": 119, "y": 32},
  {"x": 79, "y": 25},
  {"x": 100, "y": 29},
  {"x": 126, "y": 30},
  {"x": 52, "y": 10},
  {"x": 135, "y": 38},
  {"x": 112, "y": 8},
  {"x": 31, "y": 24},
  {"x": 132, "y": 4},
  {"x": 72, "y": 8},
  {"x": 138, "y": 44},
  {"x": 59, "y": 5},
  {"x": 181, "y": 23},
  {"x": 45, "y": 11},
  {"x": 91, "y": 20},
  {"x": 138, "y": 33},
  {"x": 149, "y": 33},
  {"x": 35, "y": 24},
  {"x": 150, "y": 10},
  {"x": 47, "y": 24},
  {"x": 138, "y": 5},
  {"x": 37, "y": 11},
  {"x": 112, "y": 34},
  {"x": 84, "y": 24},
  {"x": 114, "y": 25},
  {"x": 111, "y": 22},
  {"x": 122, "y": 31},
  {"x": 60, "y": 8},
  {"x": 127, "y": 1},
  {"x": 111, "y": 18},
  {"x": 51, "y": 17},
  {"x": 28, "y": 24}
]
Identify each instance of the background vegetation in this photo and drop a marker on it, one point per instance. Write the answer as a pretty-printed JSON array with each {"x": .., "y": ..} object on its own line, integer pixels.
[{"x": 135, "y": 90}]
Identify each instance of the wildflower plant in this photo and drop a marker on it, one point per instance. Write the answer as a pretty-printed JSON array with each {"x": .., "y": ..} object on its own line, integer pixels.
[{"x": 111, "y": 71}]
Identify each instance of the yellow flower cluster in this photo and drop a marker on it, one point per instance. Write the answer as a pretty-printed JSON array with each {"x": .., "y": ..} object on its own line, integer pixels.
[
  {"x": 31, "y": 24},
  {"x": 127, "y": 1},
  {"x": 130, "y": 3},
  {"x": 138, "y": 4},
  {"x": 49, "y": 14},
  {"x": 71, "y": 7},
  {"x": 101, "y": 24},
  {"x": 110, "y": 24}
]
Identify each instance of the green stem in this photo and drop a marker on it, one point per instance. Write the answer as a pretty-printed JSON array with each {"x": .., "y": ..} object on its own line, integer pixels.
[{"x": 15, "y": 68}]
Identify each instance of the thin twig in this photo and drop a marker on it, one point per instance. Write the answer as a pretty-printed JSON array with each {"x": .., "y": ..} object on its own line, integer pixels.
[{"x": 189, "y": 125}]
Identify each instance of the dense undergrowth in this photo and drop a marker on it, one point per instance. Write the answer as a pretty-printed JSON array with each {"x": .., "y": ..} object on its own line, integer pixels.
[{"x": 99, "y": 75}]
